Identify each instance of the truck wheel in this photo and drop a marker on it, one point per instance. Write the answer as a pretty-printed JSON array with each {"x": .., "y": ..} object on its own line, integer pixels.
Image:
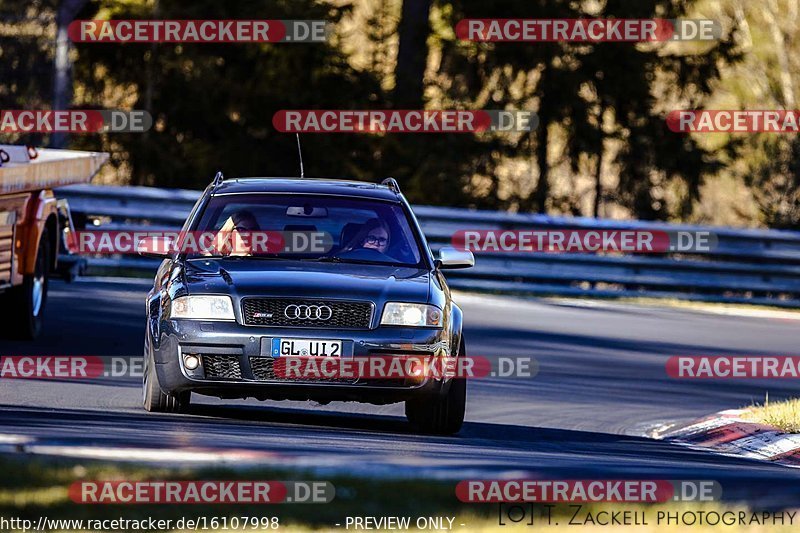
[
  {"x": 27, "y": 301},
  {"x": 154, "y": 399},
  {"x": 443, "y": 415}
]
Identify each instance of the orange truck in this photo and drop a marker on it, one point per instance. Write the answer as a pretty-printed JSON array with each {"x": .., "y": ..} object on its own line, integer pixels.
[{"x": 34, "y": 227}]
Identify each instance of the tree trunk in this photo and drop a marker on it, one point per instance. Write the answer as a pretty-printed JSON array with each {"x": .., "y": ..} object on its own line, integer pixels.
[
  {"x": 543, "y": 185},
  {"x": 542, "y": 191},
  {"x": 62, "y": 80},
  {"x": 598, "y": 183},
  {"x": 412, "y": 54},
  {"x": 771, "y": 12}
]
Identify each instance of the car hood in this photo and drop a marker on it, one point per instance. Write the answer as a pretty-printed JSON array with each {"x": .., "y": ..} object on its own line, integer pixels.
[{"x": 262, "y": 277}]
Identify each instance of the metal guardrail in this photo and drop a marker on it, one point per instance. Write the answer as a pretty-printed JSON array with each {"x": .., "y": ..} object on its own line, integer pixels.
[{"x": 747, "y": 265}]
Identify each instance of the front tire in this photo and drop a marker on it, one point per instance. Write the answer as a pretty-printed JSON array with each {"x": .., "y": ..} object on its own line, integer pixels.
[
  {"x": 154, "y": 399},
  {"x": 442, "y": 415}
]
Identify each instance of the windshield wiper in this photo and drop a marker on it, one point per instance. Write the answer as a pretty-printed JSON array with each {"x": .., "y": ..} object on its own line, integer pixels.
[
  {"x": 337, "y": 259},
  {"x": 219, "y": 256},
  {"x": 330, "y": 259}
]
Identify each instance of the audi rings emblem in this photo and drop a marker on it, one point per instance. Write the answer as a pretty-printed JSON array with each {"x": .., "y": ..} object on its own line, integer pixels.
[{"x": 308, "y": 312}]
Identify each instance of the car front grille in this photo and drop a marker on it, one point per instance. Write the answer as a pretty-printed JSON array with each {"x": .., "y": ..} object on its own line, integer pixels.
[
  {"x": 318, "y": 314},
  {"x": 222, "y": 367},
  {"x": 264, "y": 370}
]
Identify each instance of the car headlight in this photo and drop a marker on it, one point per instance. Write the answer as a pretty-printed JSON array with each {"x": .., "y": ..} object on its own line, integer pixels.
[
  {"x": 415, "y": 315},
  {"x": 202, "y": 308}
]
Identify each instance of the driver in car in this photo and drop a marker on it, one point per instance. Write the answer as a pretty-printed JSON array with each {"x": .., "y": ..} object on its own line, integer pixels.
[
  {"x": 374, "y": 235},
  {"x": 243, "y": 223}
]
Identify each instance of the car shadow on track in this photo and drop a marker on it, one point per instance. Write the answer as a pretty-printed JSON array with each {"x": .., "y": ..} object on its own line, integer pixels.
[{"x": 385, "y": 446}]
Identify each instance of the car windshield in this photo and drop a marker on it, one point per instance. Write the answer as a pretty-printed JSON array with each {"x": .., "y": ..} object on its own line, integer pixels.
[{"x": 310, "y": 228}]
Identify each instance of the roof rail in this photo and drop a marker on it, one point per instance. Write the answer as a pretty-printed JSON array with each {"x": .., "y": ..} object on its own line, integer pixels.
[
  {"x": 217, "y": 180},
  {"x": 392, "y": 184}
]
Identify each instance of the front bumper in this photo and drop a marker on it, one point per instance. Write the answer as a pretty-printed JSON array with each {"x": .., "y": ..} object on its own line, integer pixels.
[{"x": 236, "y": 361}]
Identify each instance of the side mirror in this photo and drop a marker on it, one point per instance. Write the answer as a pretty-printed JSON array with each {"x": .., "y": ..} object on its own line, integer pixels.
[
  {"x": 159, "y": 247},
  {"x": 451, "y": 258}
]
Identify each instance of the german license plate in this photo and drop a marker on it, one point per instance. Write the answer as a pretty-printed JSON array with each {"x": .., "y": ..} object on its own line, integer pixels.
[{"x": 306, "y": 348}]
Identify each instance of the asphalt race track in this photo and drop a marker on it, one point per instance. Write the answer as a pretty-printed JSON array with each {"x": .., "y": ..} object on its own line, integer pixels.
[{"x": 601, "y": 382}]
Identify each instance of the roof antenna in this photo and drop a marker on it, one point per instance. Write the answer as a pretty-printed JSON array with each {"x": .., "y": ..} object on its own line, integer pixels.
[{"x": 300, "y": 153}]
